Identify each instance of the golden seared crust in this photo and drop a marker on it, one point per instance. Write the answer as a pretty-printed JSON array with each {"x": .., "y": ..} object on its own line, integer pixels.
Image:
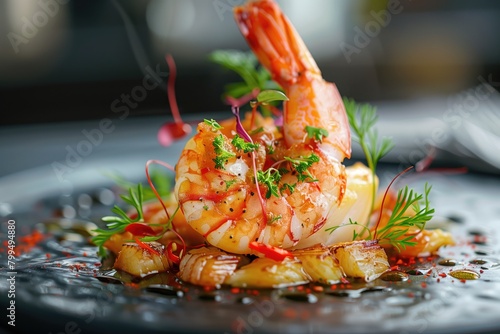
[
  {"x": 207, "y": 266},
  {"x": 138, "y": 261},
  {"x": 267, "y": 273},
  {"x": 364, "y": 259}
]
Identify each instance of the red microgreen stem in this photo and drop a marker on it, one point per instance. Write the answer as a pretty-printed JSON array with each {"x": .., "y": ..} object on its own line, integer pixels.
[
  {"x": 168, "y": 166},
  {"x": 242, "y": 132},
  {"x": 186, "y": 128},
  {"x": 238, "y": 102},
  {"x": 170, "y": 253},
  {"x": 383, "y": 199}
]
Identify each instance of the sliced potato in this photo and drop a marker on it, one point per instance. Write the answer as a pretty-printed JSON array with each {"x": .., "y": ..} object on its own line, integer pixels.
[
  {"x": 364, "y": 259},
  {"x": 355, "y": 205},
  {"x": 267, "y": 273},
  {"x": 207, "y": 266},
  {"x": 428, "y": 242},
  {"x": 138, "y": 261},
  {"x": 319, "y": 263},
  {"x": 116, "y": 241}
]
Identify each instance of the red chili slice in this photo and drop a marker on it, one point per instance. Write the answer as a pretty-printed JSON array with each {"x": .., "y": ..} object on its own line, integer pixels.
[
  {"x": 170, "y": 253},
  {"x": 146, "y": 247},
  {"x": 140, "y": 229},
  {"x": 271, "y": 252}
]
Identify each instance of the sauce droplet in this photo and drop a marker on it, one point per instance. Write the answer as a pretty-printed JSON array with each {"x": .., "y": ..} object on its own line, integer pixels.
[
  {"x": 301, "y": 297},
  {"x": 394, "y": 276},
  {"x": 414, "y": 272},
  {"x": 464, "y": 274},
  {"x": 447, "y": 262}
]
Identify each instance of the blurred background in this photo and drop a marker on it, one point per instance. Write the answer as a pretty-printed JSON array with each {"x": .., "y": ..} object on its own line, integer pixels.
[
  {"x": 69, "y": 60},
  {"x": 432, "y": 68}
]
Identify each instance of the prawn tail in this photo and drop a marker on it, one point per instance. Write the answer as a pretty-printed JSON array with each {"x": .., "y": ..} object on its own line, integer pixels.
[{"x": 274, "y": 41}]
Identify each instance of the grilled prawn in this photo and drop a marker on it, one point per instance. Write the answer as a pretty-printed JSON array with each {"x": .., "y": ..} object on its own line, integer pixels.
[{"x": 215, "y": 181}]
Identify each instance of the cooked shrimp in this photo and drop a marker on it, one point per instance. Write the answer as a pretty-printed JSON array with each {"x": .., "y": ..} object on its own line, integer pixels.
[{"x": 215, "y": 181}]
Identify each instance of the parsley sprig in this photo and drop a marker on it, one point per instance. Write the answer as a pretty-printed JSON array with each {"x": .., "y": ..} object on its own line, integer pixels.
[
  {"x": 222, "y": 154},
  {"x": 302, "y": 165},
  {"x": 117, "y": 224},
  {"x": 316, "y": 133},
  {"x": 270, "y": 178},
  {"x": 243, "y": 145}
]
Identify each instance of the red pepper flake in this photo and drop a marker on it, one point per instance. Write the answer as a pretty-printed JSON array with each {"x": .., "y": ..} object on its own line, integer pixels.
[
  {"x": 318, "y": 288},
  {"x": 208, "y": 288},
  {"x": 300, "y": 288},
  {"x": 423, "y": 285},
  {"x": 438, "y": 280},
  {"x": 463, "y": 281},
  {"x": 411, "y": 294},
  {"x": 235, "y": 290},
  {"x": 400, "y": 262},
  {"x": 84, "y": 254},
  {"x": 97, "y": 264},
  {"x": 333, "y": 287},
  {"x": 481, "y": 271},
  {"x": 132, "y": 285},
  {"x": 443, "y": 275},
  {"x": 47, "y": 255},
  {"x": 344, "y": 280},
  {"x": 395, "y": 268},
  {"x": 290, "y": 313}
]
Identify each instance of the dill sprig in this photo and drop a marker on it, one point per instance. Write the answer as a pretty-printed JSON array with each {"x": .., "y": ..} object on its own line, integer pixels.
[
  {"x": 399, "y": 223},
  {"x": 395, "y": 232},
  {"x": 362, "y": 119},
  {"x": 117, "y": 224}
]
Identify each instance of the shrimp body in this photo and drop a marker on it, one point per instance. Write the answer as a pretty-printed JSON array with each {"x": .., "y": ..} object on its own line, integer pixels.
[{"x": 222, "y": 200}]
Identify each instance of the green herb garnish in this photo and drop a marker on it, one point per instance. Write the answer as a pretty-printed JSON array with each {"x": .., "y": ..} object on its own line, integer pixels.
[
  {"x": 117, "y": 224},
  {"x": 270, "y": 179},
  {"x": 362, "y": 119},
  {"x": 316, "y": 133},
  {"x": 302, "y": 164},
  {"x": 215, "y": 126},
  {"x": 246, "y": 66},
  {"x": 267, "y": 96},
  {"x": 243, "y": 145},
  {"x": 222, "y": 154},
  {"x": 399, "y": 224}
]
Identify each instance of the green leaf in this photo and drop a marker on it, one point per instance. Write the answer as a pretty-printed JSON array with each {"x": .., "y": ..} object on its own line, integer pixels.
[
  {"x": 267, "y": 96},
  {"x": 316, "y": 133},
  {"x": 213, "y": 124}
]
